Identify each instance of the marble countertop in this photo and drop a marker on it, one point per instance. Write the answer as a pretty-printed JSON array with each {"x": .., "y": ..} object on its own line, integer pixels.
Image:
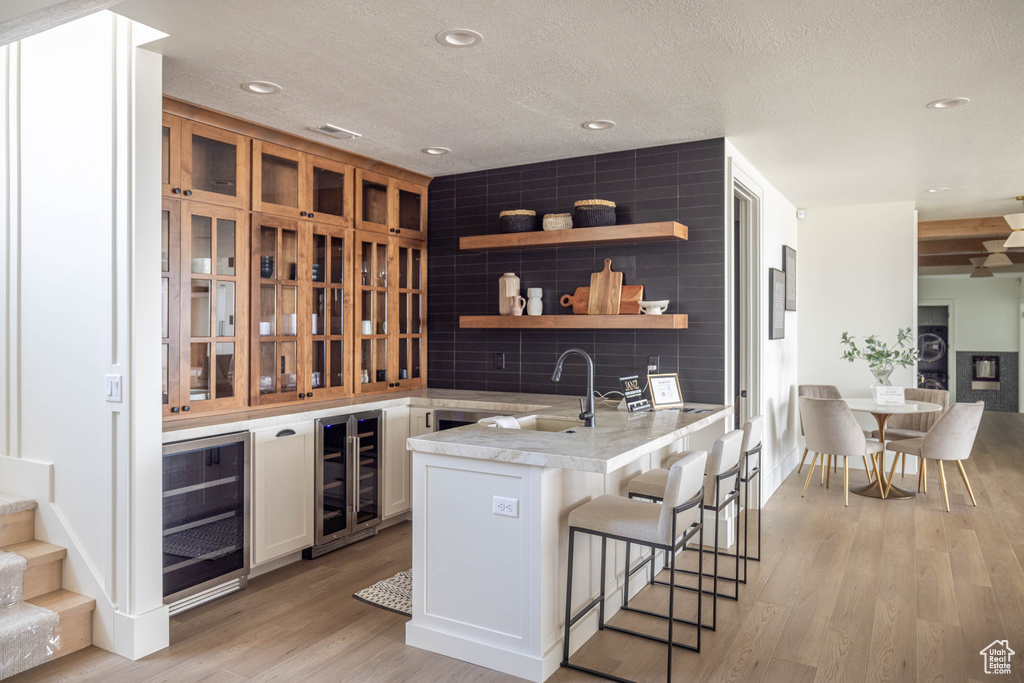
[{"x": 618, "y": 438}]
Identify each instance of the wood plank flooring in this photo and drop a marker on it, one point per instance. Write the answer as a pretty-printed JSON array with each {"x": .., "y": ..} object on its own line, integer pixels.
[{"x": 879, "y": 591}]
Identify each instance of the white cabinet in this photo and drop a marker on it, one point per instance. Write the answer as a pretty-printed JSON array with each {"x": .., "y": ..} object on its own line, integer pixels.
[
  {"x": 397, "y": 463},
  {"x": 282, "y": 491},
  {"x": 421, "y": 421}
]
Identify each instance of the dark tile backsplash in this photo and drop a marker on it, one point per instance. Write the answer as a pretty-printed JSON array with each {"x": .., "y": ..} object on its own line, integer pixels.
[
  {"x": 1001, "y": 400},
  {"x": 683, "y": 182}
]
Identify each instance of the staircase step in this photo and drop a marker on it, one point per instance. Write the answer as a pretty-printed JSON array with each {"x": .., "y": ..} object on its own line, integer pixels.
[
  {"x": 17, "y": 527},
  {"x": 75, "y": 613},
  {"x": 45, "y": 565}
]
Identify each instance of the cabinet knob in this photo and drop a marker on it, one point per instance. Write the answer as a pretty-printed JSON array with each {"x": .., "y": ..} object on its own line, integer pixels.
[
  {"x": 398, "y": 230},
  {"x": 309, "y": 394},
  {"x": 302, "y": 396},
  {"x": 174, "y": 409},
  {"x": 176, "y": 190},
  {"x": 310, "y": 214},
  {"x": 302, "y": 213},
  {"x": 186, "y": 409},
  {"x": 188, "y": 193}
]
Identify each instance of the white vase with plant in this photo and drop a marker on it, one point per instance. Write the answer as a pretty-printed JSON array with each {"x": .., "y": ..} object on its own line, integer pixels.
[{"x": 882, "y": 359}]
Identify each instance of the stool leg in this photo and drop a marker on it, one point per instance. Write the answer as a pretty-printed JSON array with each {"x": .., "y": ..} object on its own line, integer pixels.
[
  {"x": 759, "y": 506},
  {"x": 568, "y": 599},
  {"x": 714, "y": 600},
  {"x": 700, "y": 579},
  {"x": 604, "y": 566},
  {"x": 810, "y": 473},
  {"x": 625, "y": 588},
  {"x": 672, "y": 599}
]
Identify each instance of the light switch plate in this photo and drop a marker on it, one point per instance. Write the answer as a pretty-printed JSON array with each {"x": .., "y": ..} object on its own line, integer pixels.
[
  {"x": 509, "y": 507},
  {"x": 113, "y": 388}
]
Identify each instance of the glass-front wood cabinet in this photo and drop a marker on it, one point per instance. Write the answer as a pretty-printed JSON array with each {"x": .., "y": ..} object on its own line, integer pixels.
[
  {"x": 330, "y": 302},
  {"x": 388, "y": 205},
  {"x": 410, "y": 213},
  {"x": 289, "y": 183},
  {"x": 410, "y": 312},
  {"x": 204, "y": 269},
  {"x": 204, "y": 164}
]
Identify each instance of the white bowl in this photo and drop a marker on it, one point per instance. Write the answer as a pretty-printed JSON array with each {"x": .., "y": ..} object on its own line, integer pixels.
[{"x": 654, "y": 307}]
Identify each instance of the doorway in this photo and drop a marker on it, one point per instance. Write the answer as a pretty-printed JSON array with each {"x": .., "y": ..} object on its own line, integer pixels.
[{"x": 744, "y": 318}]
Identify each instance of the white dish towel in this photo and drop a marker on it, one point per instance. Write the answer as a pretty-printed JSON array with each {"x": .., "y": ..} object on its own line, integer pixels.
[{"x": 506, "y": 421}]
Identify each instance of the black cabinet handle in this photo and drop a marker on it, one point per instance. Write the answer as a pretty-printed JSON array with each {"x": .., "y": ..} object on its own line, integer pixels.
[
  {"x": 286, "y": 432},
  {"x": 309, "y": 394},
  {"x": 398, "y": 230},
  {"x": 186, "y": 409},
  {"x": 188, "y": 193},
  {"x": 176, "y": 190},
  {"x": 302, "y": 213},
  {"x": 174, "y": 409},
  {"x": 302, "y": 396},
  {"x": 310, "y": 214}
]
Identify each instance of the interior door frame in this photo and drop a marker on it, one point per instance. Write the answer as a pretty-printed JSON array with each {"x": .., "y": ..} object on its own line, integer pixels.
[
  {"x": 950, "y": 305},
  {"x": 752, "y": 326}
]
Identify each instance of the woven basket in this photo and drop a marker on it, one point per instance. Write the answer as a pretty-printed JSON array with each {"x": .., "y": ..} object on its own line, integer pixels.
[
  {"x": 557, "y": 221},
  {"x": 593, "y": 213},
  {"x": 519, "y": 220}
]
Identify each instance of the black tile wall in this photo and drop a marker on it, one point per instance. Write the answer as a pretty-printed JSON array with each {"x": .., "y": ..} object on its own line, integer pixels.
[
  {"x": 1001, "y": 400},
  {"x": 682, "y": 182}
]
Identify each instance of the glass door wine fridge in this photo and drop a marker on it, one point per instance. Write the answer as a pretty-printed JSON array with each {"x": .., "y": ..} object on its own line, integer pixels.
[
  {"x": 348, "y": 480},
  {"x": 205, "y": 519}
]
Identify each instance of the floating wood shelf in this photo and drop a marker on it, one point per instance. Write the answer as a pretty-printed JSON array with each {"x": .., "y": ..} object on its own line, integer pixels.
[
  {"x": 576, "y": 322},
  {"x": 577, "y": 237}
]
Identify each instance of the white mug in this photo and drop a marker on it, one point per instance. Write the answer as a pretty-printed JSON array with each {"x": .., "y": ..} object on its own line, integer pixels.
[{"x": 367, "y": 327}]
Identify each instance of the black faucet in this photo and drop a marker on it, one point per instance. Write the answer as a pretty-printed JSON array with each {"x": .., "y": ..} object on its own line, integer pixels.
[{"x": 588, "y": 411}]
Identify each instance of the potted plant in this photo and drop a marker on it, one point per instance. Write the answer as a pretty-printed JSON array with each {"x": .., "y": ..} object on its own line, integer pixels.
[{"x": 882, "y": 358}]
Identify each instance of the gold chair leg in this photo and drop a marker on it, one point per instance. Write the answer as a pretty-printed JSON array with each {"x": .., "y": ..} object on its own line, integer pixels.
[
  {"x": 924, "y": 464},
  {"x": 835, "y": 464},
  {"x": 903, "y": 465},
  {"x": 867, "y": 470},
  {"x": 828, "y": 475},
  {"x": 810, "y": 473},
  {"x": 878, "y": 474},
  {"x": 892, "y": 473},
  {"x": 846, "y": 481},
  {"x": 942, "y": 479},
  {"x": 920, "y": 473},
  {"x": 802, "y": 461},
  {"x": 963, "y": 475},
  {"x": 823, "y": 468}
]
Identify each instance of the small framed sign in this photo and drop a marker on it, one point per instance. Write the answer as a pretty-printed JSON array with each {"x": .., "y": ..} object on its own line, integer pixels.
[
  {"x": 789, "y": 266},
  {"x": 665, "y": 392},
  {"x": 634, "y": 394},
  {"x": 889, "y": 396},
  {"x": 776, "y": 304}
]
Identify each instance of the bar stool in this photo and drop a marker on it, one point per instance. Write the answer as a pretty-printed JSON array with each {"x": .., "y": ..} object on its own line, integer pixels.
[
  {"x": 721, "y": 489},
  {"x": 667, "y": 528},
  {"x": 752, "y": 430}
]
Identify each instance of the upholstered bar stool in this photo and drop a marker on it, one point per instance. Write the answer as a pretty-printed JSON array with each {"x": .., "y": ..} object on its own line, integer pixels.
[
  {"x": 721, "y": 489},
  {"x": 750, "y": 449},
  {"x": 952, "y": 438},
  {"x": 914, "y": 425},
  {"x": 832, "y": 430},
  {"x": 668, "y": 527}
]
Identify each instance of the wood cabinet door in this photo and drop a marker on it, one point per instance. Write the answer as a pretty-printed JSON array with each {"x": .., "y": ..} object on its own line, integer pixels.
[
  {"x": 213, "y": 308},
  {"x": 409, "y": 210},
  {"x": 280, "y": 180},
  {"x": 279, "y": 328},
  {"x": 332, "y": 191},
  {"x": 329, "y": 282},
  {"x": 397, "y": 463},
  {"x": 374, "y": 201},
  {"x": 214, "y": 165},
  {"x": 373, "y": 328},
  {"x": 170, "y": 157},
  {"x": 409, "y": 301},
  {"x": 283, "y": 501},
  {"x": 170, "y": 304}
]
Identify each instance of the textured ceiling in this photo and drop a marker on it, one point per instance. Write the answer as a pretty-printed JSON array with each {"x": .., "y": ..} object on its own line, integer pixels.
[{"x": 825, "y": 97}]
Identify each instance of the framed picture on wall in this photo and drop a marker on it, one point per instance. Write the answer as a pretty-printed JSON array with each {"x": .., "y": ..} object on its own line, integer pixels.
[
  {"x": 789, "y": 265},
  {"x": 777, "y": 301}
]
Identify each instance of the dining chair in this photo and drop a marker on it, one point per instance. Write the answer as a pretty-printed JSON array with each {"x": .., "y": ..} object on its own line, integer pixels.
[
  {"x": 815, "y": 391},
  {"x": 832, "y": 430},
  {"x": 952, "y": 438},
  {"x": 914, "y": 425}
]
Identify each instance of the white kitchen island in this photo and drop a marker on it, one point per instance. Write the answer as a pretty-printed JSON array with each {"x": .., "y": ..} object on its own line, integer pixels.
[{"x": 489, "y": 588}]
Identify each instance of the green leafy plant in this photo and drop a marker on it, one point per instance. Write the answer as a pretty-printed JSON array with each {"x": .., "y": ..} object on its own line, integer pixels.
[{"x": 879, "y": 354}]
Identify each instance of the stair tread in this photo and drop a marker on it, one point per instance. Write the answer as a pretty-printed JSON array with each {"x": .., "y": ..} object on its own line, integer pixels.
[
  {"x": 11, "y": 504},
  {"x": 64, "y": 602},
  {"x": 38, "y": 552}
]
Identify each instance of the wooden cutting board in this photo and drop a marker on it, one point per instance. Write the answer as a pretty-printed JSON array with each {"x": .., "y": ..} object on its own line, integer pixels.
[
  {"x": 605, "y": 291},
  {"x": 629, "y": 302}
]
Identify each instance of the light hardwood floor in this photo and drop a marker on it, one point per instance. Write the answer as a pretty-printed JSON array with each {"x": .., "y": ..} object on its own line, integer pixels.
[{"x": 880, "y": 591}]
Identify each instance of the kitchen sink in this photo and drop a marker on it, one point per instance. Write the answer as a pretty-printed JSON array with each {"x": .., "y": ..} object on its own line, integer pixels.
[{"x": 541, "y": 423}]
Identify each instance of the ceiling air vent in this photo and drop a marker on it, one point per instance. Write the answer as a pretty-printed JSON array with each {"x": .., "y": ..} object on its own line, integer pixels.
[{"x": 336, "y": 132}]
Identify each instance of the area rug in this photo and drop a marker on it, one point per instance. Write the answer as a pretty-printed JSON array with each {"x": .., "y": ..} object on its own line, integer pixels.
[{"x": 394, "y": 594}]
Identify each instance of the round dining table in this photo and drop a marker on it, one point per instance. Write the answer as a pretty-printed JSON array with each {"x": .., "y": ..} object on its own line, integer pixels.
[{"x": 882, "y": 413}]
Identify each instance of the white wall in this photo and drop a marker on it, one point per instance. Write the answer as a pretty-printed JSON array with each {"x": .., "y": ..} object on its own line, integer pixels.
[
  {"x": 81, "y": 210},
  {"x": 985, "y": 309},
  {"x": 858, "y": 274},
  {"x": 778, "y": 357}
]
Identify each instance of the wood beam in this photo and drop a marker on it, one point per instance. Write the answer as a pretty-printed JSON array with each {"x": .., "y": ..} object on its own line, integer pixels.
[
  {"x": 961, "y": 260},
  {"x": 977, "y": 228},
  {"x": 961, "y": 246}
]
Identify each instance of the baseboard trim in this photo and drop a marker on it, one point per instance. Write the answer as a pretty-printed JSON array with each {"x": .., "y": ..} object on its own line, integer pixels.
[
  {"x": 28, "y": 478},
  {"x": 138, "y": 635},
  {"x": 459, "y": 647}
]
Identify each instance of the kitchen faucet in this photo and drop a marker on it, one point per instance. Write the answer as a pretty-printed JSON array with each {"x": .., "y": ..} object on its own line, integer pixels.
[{"x": 588, "y": 411}]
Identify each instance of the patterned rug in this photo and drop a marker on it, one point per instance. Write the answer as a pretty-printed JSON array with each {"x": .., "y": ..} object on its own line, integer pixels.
[{"x": 394, "y": 594}]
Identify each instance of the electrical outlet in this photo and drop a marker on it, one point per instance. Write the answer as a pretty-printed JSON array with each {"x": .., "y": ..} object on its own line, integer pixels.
[
  {"x": 509, "y": 507},
  {"x": 499, "y": 361},
  {"x": 653, "y": 363}
]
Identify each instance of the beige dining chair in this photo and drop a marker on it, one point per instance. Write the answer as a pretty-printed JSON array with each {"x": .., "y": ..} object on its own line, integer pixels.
[
  {"x": 832, "y": 430},
  {"x": 914, "y": 425},
  {"x": 952, "y": 438}
]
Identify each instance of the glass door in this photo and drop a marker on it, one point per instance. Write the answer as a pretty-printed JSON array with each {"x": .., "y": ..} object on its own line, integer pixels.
[
  {"x": 170, "y": 275},
  {"x": 329, "y": 325},
  {"x": 374, "y": 202},
  {"x": 214, "y": 165},
  {"x": 330, "y": 185},
  {"x": 213, "y": 308},
  {"x": 411, "y": 302},
  {"x": 367, "y": 483},
  {"x": 374, "y": 272},
  {"x": 332, "y": 479},
  {"x": 278, "y": 297},
  {"x": 170, "y": 157},
  {"x": 411, "y": 201},
  {"x": 279, "y": 180}
]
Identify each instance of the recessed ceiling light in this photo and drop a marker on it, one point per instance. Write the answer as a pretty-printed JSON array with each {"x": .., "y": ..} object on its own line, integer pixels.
[
  {"x": 261, "y": 87},
  {"x": 599, "y": 124},
  {"x": 435, "y": 151},
  {"x": 337, "y": 132},
  {"x": 948, "y": 103},
  {"x": 939, "y": 189},
  {"x": 459, "y": 37}
]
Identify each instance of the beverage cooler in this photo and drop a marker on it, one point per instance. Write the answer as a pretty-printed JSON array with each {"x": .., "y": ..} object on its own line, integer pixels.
[
  {"x": 348, "y": 480},
  {"x": 205, "y": 519}
]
